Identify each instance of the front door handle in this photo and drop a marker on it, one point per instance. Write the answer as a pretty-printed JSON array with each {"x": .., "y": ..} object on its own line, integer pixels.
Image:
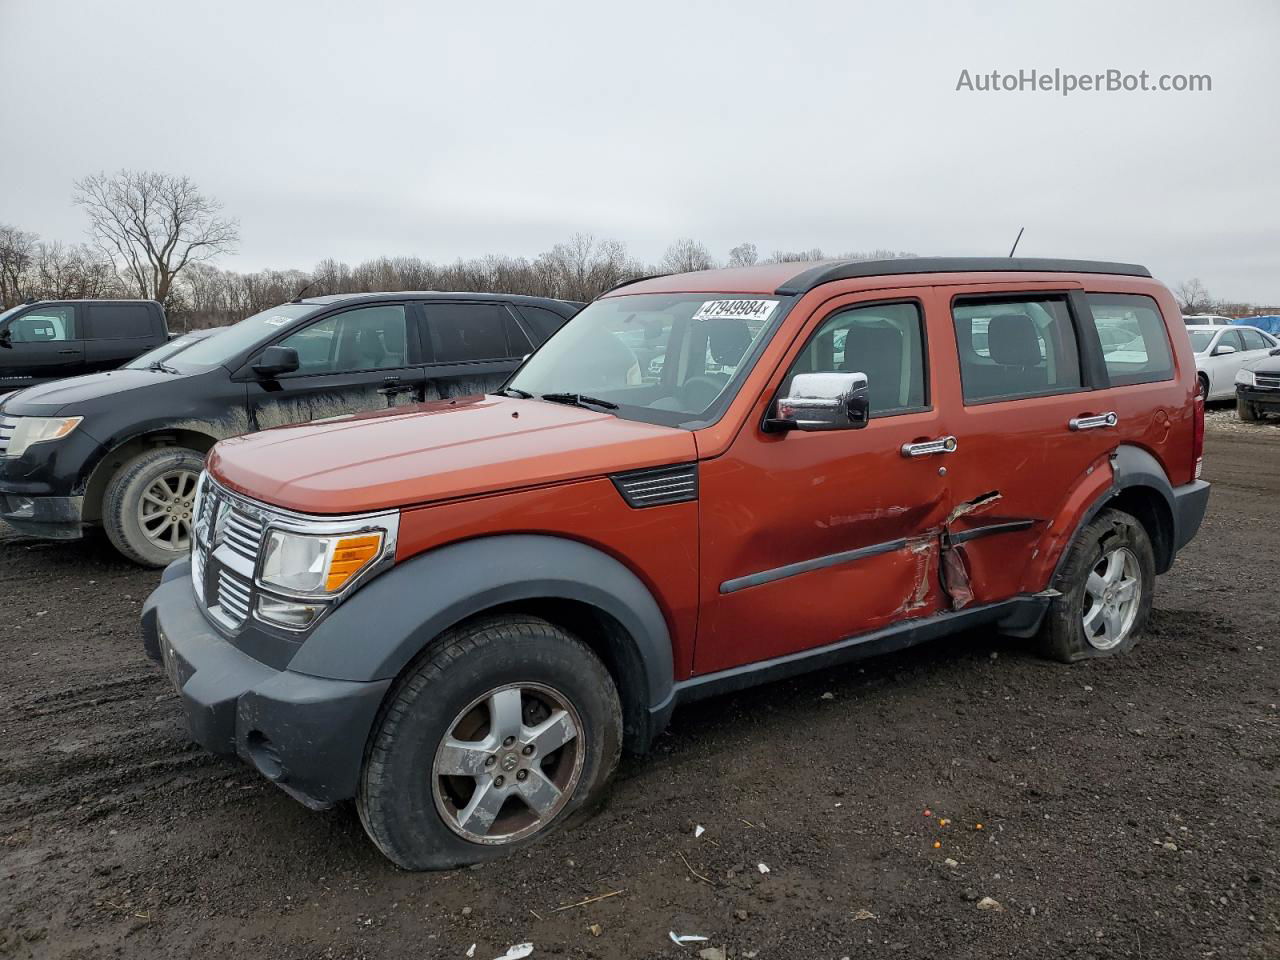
[
  {"x": 1093, "y": 421},
  {"x": 928, "y": 447},
  {"x": 67, "y": 352}
]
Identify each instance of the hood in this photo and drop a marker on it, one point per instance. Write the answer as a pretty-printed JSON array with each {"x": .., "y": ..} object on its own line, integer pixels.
[
  {"x": 47, "y": 399},
  {"x": 438, "y": 451}
]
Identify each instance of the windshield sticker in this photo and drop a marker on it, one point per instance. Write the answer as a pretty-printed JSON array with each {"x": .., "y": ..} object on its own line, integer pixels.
[
  {"x": 736, "y": 310},
  {"x": 278, "y": 321}
]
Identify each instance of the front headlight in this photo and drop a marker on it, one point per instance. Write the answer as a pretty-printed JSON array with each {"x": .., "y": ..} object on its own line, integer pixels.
[
  {"x": 317, "y": 566},
  {"x": 39, "y": 430},
  {"x": 1247, "y": 378}
]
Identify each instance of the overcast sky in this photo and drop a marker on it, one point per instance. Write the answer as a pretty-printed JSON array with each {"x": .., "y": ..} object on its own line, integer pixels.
[{"x": 358, "y": 129}]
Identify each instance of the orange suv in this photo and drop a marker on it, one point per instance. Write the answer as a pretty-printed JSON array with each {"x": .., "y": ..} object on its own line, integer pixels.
[{"x": 460, "y": 612}]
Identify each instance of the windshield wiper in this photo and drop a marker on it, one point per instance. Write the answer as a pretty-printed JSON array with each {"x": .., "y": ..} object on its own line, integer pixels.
[
  {"x": 579, "y": 400},
  {"x": 161, "y": 367},
  {"x": 515, "y": 392}
]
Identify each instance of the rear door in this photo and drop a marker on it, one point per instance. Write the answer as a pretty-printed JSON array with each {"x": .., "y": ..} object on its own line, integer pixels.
[
  {"x": 115, "y": 333},
  {"x": 44, "y": 343},
  {"x": 471, "y": 347},
  {"x": 359, "y": 359},
  {"x": 1018, "y": 458}
]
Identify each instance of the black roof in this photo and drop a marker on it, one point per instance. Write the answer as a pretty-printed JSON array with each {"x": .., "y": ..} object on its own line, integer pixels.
[
  {"x": 848, "y": 269},
  {"x": 433, "y": 295}
]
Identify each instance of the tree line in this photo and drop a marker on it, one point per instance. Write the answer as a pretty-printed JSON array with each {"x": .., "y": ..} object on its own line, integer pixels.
[{"x": 154, "y": 235}]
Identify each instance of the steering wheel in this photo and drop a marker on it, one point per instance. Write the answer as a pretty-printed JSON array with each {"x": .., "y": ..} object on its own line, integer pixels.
[{"x": 698, "y": 393}]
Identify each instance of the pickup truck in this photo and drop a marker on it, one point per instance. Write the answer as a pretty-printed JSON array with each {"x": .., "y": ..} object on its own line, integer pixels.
[{"x": 52, "y": 339}]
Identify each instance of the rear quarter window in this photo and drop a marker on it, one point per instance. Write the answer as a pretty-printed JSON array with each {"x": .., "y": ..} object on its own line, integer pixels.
[{"x": 1135, "y": 344}]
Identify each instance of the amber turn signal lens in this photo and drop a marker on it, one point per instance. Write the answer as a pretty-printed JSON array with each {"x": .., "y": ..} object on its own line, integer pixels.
[{"x": 350, "y": 556}]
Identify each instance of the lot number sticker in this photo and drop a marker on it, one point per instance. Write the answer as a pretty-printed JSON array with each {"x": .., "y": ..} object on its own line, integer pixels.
[{"x": 736, "y": 310}]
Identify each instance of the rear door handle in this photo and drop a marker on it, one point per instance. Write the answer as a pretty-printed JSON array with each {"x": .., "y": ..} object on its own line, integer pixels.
[
  {"x": 67, "y": 352},
  {"x": 1093, "y": 421},
  {"x": 928, "y": 447}
]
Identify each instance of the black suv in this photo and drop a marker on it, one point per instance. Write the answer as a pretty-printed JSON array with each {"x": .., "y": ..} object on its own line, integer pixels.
[
  {"x": 51, "y": 339},
  {"x": 123, "y": 449}
]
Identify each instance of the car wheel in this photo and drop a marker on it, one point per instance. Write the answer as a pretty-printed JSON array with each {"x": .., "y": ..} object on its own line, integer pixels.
[
  {"x": 1246, "y": 411},
  {"x": 498, "y": 733},
  {"x": 147, "y": 507},
  {"x": 1204, "y": 387},
  {"x": 1105, "y": 591}
]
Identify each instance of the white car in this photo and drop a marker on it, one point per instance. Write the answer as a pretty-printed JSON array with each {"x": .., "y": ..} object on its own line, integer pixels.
[
  {"x": 1222, "y": 352},
  {"x": 1206, "y": 320}
]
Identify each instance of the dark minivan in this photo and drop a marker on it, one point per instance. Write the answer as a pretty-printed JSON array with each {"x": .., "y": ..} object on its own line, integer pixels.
[
  {"x": 123, "y": 448},
  {"x": 52, "y": 339}
]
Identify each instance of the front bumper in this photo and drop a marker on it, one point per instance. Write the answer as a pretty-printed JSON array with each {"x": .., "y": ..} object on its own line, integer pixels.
[
  {"x": 305, "y": 734},
  {"x": 1261, "y": 397},
  {"x": 50, "y": 518}
]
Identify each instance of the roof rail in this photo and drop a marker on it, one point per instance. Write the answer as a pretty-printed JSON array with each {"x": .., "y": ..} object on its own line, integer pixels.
[
  {"x": 627, "y": 283},
  {"x": 848, "y": 269}
]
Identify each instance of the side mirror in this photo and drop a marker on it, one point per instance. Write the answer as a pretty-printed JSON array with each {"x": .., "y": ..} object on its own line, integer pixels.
[
  {"x": 823, "y": 401},
  {"x": 1222, "y": 349},
  {"x": 275, "y": 361},
  {"x": 6, "y": 338},
  {"x": 1275, "y": 351}
]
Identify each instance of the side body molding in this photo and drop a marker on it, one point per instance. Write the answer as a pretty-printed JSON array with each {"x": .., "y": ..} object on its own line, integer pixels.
[{"x": 389, "y": 621}]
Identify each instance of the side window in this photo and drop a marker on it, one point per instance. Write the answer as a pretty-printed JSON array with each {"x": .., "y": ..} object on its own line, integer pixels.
[
  {"x": 472, "y": 331},
  {"x": 1252, "y": 340},
  {"x": 1135, "y": 346},
  {"x": 544, "y": 322},
  {"x": 366, "y": 338},
  {"x": 1011, "y": 348},
  {"x": 118, "y": 321},
  {"x": 44, "y": 325},
  {"x": 1229, "y": 338},
  {"x": 884, "y": 341}
]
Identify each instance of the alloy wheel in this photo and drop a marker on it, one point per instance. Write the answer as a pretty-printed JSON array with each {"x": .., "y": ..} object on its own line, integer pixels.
[
  {"x": 164, "y": 509},
  {"x": 1112, "y": 596},
  {"x": 508, "y": 764}
]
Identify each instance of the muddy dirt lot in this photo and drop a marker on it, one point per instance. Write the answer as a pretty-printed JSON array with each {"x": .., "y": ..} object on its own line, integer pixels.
[{"x": 1128, "y": 808}]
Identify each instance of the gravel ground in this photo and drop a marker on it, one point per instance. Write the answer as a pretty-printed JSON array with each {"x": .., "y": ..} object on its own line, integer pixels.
[{"x": 1128, "y": 808}]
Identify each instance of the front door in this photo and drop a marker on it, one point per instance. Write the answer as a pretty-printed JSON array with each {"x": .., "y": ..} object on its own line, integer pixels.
[
  {"x": 809, "y": 538},
  {"x": 42, "y": 344},
  {"x": 354, "y": 361}
]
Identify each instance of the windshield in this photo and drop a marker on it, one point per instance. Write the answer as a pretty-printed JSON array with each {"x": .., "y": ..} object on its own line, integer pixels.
[
  {"x": 1200, "y": 340},
  {"x": 10, "y": 312},
  {"x": 664, "y": 358},
  {"x": 235, "y": 340}
]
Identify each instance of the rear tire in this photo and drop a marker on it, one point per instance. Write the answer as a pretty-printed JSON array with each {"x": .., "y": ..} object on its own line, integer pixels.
[
  {"x": 146, "y": 510},
  {"x": 452, "y": 756},
  {"x": 1246, "y": 411},
  {"x": 1106, "y": 586}
]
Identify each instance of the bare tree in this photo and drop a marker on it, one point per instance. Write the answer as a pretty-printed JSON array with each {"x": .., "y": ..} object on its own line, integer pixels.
[
  {"x": 685, "y": 256},
  {"x": 152, "y": 225},
  {"x": 743, "y": 255},
  {"x": 1192, "y": 296},
  {"x": 17, "y": 252}
]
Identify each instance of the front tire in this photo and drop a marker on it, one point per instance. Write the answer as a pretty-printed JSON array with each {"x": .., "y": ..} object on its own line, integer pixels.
[
  {"x": 1204, "y": 387},
  {"x": 1106, "y": 586},
  {"x": 1246, "y": 411},
  {"x": 146, "y": 510},
  {"x": 501, "y": 731}
]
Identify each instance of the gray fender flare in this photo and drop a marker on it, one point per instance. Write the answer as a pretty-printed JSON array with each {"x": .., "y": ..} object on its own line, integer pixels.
[
  {"x": 1131, "y": 467},
  {"x": 386, "y": 623}
]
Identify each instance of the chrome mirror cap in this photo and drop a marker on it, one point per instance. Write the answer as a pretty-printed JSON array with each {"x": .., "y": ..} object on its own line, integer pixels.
[{"x": 823, "y": 401}]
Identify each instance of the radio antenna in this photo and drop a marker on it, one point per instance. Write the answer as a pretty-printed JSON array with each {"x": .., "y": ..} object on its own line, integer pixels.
[{"x": 1015, "y": 242}]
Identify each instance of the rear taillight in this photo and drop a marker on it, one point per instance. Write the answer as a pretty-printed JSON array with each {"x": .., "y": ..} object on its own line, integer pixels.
[{"x": 1197, "y": 435}]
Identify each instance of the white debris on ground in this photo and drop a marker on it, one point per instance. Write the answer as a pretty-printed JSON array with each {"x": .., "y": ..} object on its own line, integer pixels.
[{"x": 1224, "y": 419}]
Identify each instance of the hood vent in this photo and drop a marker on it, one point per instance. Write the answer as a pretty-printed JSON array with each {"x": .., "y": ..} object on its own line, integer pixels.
[{"x": 658, "y": 486}]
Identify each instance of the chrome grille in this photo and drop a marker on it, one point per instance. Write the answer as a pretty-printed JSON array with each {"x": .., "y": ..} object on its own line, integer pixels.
[
  {"x": 7, "y": 426},
  {"x": 197, "y": 572},
  {"x": 242, "y": 533},
  {"x": 1261, "y": 379},
  {"x": 233, "y": 599}
]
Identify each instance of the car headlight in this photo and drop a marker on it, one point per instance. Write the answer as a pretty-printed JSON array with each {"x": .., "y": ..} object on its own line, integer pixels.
[
  {"x": 318, "y": 566},
  {"x": 1247, "y": 378},
  {"x": 31, "y": 430}
]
